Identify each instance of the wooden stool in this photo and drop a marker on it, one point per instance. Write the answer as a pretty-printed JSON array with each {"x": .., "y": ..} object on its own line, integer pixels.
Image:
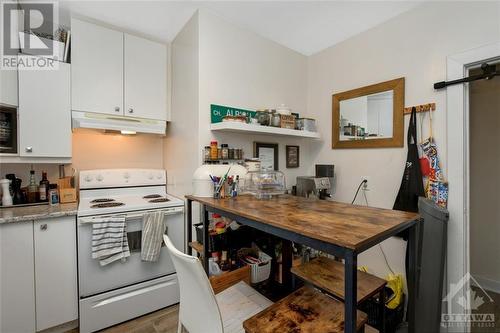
[
  {"x": 328, "y": 275},
  {"x": 305, "y": 310}
]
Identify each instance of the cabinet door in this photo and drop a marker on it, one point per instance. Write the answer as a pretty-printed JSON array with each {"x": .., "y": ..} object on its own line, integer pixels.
[
  {"x": 96, "y": 68},
  {"x": 55, "y": 271},
  {"x": 45, "y": 112},
  {"x": 17, "y": 285},
  {"x": 145, "y": 78},
  {"x": 8, "y": 87}
]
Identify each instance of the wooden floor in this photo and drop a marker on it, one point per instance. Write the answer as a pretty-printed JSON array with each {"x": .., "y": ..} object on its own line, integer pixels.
[
  {"x": 162, "y": 321},
  {"x": 492, "y": 307}
]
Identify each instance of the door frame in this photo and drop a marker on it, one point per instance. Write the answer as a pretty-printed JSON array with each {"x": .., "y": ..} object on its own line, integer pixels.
[{"x": 458, "y": 258}]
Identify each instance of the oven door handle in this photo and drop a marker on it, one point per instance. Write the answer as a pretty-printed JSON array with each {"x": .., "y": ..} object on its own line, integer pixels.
[{"x": 167, "y": 211}]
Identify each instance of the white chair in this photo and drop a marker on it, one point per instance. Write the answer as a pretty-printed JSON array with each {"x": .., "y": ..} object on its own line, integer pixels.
[{"x": 201, "y": 311}]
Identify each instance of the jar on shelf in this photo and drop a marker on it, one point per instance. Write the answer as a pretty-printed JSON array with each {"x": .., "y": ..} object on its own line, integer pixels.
[
  {"x": 206, "y": 153},
  {"x": 213, "y": 150},
  {"x": 225, "y": 151},
  {"x": 275, "y": 119},
  {"x": 231, "y": 153},
  {"x": 263, "y": 117}
]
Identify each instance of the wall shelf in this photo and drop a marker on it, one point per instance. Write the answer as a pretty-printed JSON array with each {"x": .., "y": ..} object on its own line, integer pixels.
[{"x": 259, "y": 129}]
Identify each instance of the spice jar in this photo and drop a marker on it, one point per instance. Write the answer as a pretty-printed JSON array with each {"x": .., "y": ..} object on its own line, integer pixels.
[
  {"x": 231, "y": 153},
  {"x": 225, "y": 151},
  {"x": 213, "y": 150},
  {"x": 263, "y": 117},
  {"x": 206, "y": 153}
]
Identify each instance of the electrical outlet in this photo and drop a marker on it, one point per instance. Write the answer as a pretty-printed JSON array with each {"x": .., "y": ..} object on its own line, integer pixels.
[{"x": 365, "y": 186}]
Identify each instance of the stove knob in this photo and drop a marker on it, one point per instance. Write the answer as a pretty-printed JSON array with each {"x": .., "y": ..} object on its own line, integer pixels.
[
  {"x": 158, "y": 176},
  {"x": 88, "y": 178},
  {"x": 99, "y": 178},
  {"x": 150, "y": 176},
  {"x": 126, "y": 175}
]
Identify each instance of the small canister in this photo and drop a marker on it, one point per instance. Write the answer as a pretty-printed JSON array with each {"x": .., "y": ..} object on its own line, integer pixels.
[
  {"x": 275, "y": 119},
  {"x": 53, "y": 195},
  {"x": 231, "y": 153},
  {"x": 206, "y": 153},
  {"x": 225, "y": 151}
]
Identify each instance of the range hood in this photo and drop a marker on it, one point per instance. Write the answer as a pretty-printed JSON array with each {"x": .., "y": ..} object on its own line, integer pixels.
[{"x": 117, "y": 123}]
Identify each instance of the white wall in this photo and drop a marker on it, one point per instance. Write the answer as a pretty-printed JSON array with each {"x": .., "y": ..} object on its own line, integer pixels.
[
  {"x": 484, "y": 182},
  {"x": 181, "y": 144},
  {"x": 414, "y": 45},
  {"x": 215, "y": 62},
  {"x": 242, "y": 69}
]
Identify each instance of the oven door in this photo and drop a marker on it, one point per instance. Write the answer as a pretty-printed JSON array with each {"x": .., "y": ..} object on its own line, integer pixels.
[{"x": 95, "y": 279}]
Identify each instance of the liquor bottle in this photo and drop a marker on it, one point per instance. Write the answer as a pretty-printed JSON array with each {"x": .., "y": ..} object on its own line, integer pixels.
[
  {"x": 44, "y": 187},
  {"x": 32, "y": 188},
  {"x": 225, "y": 265}
]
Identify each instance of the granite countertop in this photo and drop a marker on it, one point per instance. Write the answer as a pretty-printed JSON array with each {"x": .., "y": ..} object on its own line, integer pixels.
[{"x": 30, "y": 213}]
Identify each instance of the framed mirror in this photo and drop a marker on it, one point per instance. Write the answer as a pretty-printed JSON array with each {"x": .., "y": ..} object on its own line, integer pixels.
[{"x": 369, "y": 117}]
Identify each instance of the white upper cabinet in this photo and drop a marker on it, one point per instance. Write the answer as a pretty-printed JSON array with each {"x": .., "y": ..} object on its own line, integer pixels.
[
  {"x": 45, "y": 112},
  {"x": 117, "y": 73},
  {"x": 145, "y": 78},
  {"x": 8, "y": 87},
  {"x": 96, "y": 68}
]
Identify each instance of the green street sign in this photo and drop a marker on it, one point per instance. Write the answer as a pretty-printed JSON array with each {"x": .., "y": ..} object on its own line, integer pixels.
[{"x": 217, "y": 112}]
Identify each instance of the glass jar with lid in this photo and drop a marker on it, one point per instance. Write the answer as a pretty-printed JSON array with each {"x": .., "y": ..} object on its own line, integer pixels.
[
  {"x": 263, "y": 117},
  {"x": 265, "y": 184}
]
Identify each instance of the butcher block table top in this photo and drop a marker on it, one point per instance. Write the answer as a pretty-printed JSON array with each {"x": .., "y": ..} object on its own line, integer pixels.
[{"x": 345, "y": 225}]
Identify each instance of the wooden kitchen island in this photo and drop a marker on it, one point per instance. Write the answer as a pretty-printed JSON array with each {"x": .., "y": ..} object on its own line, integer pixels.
[{"x": 340, "y": 229}]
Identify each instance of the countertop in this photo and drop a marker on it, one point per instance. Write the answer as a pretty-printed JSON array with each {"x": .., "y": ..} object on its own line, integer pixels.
[
  {"x": 349, "y": 226},
  {"x": 30, "y": 213}
]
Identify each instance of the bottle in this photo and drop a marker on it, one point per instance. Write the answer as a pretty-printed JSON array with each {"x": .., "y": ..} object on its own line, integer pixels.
[
  {"x": 32, "y": 188},
  {"x": 225, "y": 265},
  {"x": 225, "y": 151},
  {"x": 53, "y": 195},
  {"x": 44, "y": 187}
]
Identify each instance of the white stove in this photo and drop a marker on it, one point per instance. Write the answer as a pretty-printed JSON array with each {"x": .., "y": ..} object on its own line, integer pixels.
[{"x": 124, "y": 290}]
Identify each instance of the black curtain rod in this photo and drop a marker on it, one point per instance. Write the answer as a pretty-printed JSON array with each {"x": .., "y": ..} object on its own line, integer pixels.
[{"x": 489, "y": 72}]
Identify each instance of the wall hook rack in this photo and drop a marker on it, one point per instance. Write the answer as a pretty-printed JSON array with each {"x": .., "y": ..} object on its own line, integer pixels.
[{"x": 421, "y": 108}]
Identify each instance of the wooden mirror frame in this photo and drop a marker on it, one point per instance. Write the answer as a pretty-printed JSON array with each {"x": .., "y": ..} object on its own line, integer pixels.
[{"x": 398, "y": 85}]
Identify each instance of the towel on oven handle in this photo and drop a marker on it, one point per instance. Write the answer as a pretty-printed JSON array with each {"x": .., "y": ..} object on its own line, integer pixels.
[
  {"x": 153, "y": 228},
  {"x": 109, "y": 239}
]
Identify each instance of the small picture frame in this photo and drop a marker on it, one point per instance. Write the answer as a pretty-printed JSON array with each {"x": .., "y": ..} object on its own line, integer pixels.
[
  {"x": 268, "y": 155},
  {"x": 292, "y": 156}
]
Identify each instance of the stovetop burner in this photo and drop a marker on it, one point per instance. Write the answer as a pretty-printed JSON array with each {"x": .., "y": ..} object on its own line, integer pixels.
[
  {"x": 102, "y": 200},
  {"x": 107, "y": 204},
  {"x": 151, "y": 196},
  {"x": 159, "y": 200}
]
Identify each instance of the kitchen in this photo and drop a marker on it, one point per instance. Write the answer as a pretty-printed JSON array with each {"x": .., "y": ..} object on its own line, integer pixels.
[{"x": 179, "y": 81}]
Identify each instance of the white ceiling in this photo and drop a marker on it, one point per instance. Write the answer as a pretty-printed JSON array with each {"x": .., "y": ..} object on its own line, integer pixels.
[{"x": 305, "y": 26}]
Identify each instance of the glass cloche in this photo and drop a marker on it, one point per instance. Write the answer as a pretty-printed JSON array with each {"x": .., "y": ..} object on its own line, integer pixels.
[{"x": 265, "y": 184}]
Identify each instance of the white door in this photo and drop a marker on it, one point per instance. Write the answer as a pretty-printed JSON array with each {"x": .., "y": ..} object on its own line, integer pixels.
[
  {"x": 8, "y": 87},
  {"x": 96, "y": 68},
  {"x": 55, "y": 271},
  {"x": 45, "y": 112},
  {"x": 145, "y": 78},
  {"x": 17, "y": 286}
]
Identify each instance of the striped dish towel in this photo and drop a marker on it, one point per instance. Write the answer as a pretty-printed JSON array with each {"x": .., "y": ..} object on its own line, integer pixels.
[
  {"x": 109, "y": 239},
  {"x": 153, "y": 228}
]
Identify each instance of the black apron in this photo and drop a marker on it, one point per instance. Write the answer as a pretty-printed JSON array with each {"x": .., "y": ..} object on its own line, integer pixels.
[{"x": 412, "y": 185}]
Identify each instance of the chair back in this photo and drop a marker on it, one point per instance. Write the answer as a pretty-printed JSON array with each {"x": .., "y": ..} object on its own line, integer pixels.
[{"x": 198, "y": 310}]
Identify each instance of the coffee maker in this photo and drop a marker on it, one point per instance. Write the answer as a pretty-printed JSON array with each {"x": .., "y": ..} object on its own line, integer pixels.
[{"x": 318, "y": 186}]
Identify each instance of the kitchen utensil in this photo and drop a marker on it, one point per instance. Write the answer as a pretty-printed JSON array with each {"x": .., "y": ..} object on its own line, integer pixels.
[{"x": 6, "y": 197}]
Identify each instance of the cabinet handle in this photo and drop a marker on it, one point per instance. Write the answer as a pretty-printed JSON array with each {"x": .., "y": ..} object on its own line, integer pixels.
[
  {"x": 43, "y": 227},
  {"x": 29, "y": 149},
  {"x": 117, "y": 108},
  {"x": 130, "y": 110}
]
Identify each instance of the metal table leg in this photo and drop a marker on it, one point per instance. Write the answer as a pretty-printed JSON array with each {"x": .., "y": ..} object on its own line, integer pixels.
[
  {"x": 351, "y": 287},
  {"x": 286, "y": 262},
  {"x": 189, "y": 226},
  {"x": 205, "y": 238}
]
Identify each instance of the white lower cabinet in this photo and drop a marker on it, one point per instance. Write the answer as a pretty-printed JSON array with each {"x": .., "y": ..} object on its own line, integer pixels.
[
  {"x": 17, "y": 281},
  {"x": 38, "y": 274},
  {"x": 55, "y": 272}
]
